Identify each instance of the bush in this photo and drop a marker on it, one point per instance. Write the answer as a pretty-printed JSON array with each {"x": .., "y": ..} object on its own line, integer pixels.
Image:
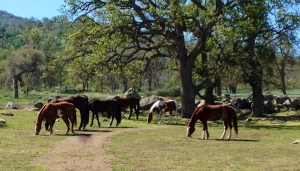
[{"x": 169, "y": 92}]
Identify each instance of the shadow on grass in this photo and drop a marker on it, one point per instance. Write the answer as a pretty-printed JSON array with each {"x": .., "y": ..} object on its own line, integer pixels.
[
  {"x": 277, "y": 127},
  {"x": 95, "y": 130},
  {"x": 242, "y": 140},
  {"x": 75, "y": 135},
  {"x": 232, "y": 139}
]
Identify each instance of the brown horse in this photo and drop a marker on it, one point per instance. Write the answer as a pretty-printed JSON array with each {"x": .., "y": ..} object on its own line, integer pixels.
[
  {"x": 130, "y": 102},
  {"x": 212, "y": 113},
  {"x": 111, "y": 106},
  {"x": 163, "y": 106},
  {"x": 80, "y": 102},
  {"x": 51, "y": 111}
]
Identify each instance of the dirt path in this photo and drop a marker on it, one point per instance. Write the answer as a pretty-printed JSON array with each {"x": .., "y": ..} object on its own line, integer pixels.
[{"x": 82, "y": 152}]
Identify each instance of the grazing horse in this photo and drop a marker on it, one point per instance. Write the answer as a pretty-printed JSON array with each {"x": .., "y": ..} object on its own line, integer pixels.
[
  {"x": 130, "y": 102},
  {"x": 212, "y": 113},
  {"x": 163, "y": 106},
  {"x": 80, "y": 102},
  {"x": 111, "y": 106},
  {"x": 51, "y": 111}
]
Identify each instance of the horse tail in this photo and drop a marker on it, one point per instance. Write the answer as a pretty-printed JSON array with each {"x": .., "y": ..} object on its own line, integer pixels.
[
  {"x": 86, "y": 112},
  {"x": 138, "y": 106},
  {"x": 118, "y": 114},
  {"x": 74, "y": 116},
  {"x": 234, "y": 119}
]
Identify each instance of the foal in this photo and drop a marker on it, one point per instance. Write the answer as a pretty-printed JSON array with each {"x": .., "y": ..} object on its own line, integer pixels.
[{"x": 163, "y": 106}]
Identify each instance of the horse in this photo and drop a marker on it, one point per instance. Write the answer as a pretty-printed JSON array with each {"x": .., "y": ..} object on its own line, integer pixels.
[
  {"x": 212, "y": 113},
  {"x": 111, "y": 106},
  {"x": 130, "y": 102},
  {"x": 51, "y": 111},
  {"x": 163, "y": 106},
  {"x": 80, "y": 102}
]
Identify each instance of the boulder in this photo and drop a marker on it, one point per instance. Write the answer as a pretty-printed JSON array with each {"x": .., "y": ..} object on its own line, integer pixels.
[
  {"x": 132, "y": 93},
  {"x": 294, "y": 105},
  {"x": 269, "y": 97},
  {"x": 281, "y": 99},
  {"x": 2, "y": 121},
  {"x": 7, "y": 113},
  {"x": 147, "y": 102},
  {"x": 268, "y": 107},
  {"x": 38, "y": 105},
  {"x": 11, "y": 105}
]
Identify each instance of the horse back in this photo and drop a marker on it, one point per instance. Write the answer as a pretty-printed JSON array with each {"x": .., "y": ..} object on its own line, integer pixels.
[
  {"x": 103, "y": 105},
  {"x": 171, "y": 105}
]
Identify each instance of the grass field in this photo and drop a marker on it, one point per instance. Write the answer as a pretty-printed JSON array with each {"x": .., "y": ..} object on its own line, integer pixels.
[{"x": 262, "y": 144}]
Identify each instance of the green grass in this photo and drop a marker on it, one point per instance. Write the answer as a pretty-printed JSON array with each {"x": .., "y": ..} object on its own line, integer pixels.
[{"x": 264, "y": 144}]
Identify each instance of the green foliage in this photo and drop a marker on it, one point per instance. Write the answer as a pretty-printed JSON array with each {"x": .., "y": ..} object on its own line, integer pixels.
[{"x": 169, "y": 92}]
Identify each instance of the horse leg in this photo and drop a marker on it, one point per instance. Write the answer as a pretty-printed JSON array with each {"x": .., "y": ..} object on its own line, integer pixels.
[
  {"x": 97, "y": 117},
  {"x": 81, "y": 125},
  {"x": 93, "y": 116},
  {"x": 130, "y": 112},
  {"x": 225, "y": 124},
  {"x": 170, "y": 117},
  {"x": 136, "y": 113},
  {"x": 66, "y": 120},
  {"x": 156, "y": 117},
  {"x": 112, "y": 119},
  {"x": 50, "y": 125},
  {"x": 205, "y": 130},
  {"x": 230, "y": 128}
]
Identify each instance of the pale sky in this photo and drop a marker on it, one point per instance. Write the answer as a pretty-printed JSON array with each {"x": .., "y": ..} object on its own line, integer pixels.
[{"x": 32, "y": 8}]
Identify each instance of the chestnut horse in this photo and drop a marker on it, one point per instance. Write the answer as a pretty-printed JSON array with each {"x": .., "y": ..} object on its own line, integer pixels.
[
  {"x": 212, "y": 113},
  {"x": 80, "y": 102},
  {"x": 163, "y": 106},
  {"x": 130, "y": 102},
  {"x": 111, "y": 106},
  {"x": 51, "y": 111}
]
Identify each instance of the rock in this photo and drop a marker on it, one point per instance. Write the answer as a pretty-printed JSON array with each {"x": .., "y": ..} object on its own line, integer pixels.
[
  {"x": 147, "y": 102},
  {"x": 7, "y": 113},
  {"x": 2, "y": 121},
  {"x": 38, "y": 105},
  {"x": 11, "y": 105},
  {"x": 268, "y": 107},
  {"x": 132, "y": 93}
]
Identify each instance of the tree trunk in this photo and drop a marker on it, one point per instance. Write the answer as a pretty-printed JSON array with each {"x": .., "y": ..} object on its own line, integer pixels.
[
  {"x": 257, "y": 99},
  {"x": 209, "y": 95},
  {"x": 187, "y": 93},
  {"x": 219, "y": 88},
  {"x": 282, "y": 80},
  {"x": 16, "y": 87}
]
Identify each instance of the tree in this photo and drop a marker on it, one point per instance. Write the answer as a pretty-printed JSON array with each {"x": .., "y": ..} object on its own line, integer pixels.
[
  {"x": 25, "y": 60},
  {"x": 259, "y": 24},
  {"x": 160, "y": 27}
]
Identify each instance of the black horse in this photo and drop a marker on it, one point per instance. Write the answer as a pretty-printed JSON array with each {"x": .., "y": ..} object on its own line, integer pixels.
[
  {"x": 80, "y": 102},
  {"x": 111, "y": 106},
  {"x": 130, "y": 102}
]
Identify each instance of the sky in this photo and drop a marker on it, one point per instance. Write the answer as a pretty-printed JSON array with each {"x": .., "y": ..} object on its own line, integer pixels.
[{"x": 32, "y": 8}]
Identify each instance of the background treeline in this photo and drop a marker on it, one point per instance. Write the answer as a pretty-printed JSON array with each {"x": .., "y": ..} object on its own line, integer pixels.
[
  {"x": 20, "y": 36},
  {"x": 183, "y": 46},
  {"x": 33, "y": 48}
]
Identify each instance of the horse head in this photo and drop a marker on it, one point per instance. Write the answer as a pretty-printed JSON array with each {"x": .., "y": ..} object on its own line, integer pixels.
[
  {"x": 149, "y": 117},
  {"x": 189, "y": 131},
  {"x": 37, "y": 129}
]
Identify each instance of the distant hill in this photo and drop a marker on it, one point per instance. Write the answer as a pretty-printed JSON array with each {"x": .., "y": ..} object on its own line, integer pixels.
[
  {"x": 8, "y": 20},
  {"x": 10, "y": 27}
]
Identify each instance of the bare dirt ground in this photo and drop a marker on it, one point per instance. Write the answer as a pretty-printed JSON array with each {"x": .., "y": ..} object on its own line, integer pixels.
[{"x": 83, "y": 152}]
